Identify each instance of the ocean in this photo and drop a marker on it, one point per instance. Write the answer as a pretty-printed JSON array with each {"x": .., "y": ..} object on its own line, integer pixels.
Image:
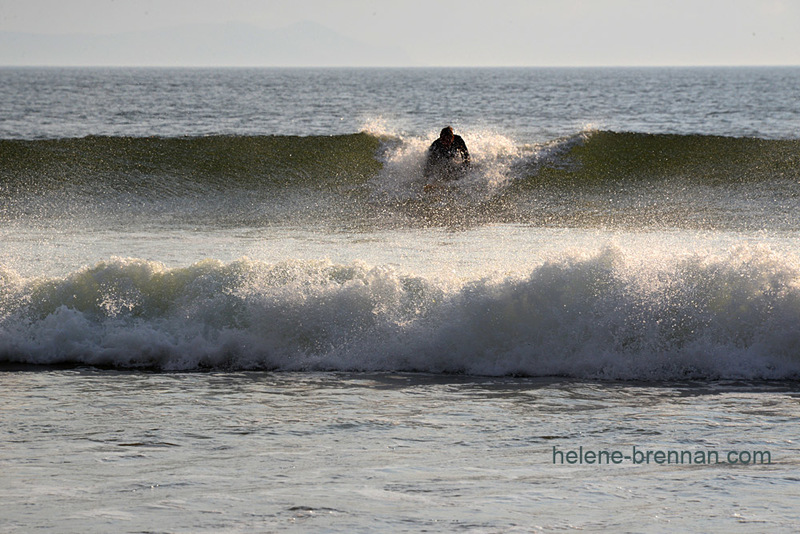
[{"x": 229, "y": 302}]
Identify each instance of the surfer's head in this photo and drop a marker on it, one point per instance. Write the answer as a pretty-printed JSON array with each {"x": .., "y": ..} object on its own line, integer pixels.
[{"x": 446, "y": 135}]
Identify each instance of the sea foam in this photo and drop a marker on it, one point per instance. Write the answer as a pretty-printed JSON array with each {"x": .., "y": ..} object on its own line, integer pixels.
[{"x": 601, "y": 316}]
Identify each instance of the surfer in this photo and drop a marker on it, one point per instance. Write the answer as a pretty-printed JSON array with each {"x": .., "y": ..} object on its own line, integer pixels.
[{"x": 448, "y": 157}]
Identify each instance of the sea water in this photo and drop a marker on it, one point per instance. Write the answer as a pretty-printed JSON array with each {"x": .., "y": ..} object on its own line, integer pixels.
[{"x": 228, "y": 302}]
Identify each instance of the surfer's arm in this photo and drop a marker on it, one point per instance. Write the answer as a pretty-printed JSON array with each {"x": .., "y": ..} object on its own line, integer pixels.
[{"x": 462, "y": 147}]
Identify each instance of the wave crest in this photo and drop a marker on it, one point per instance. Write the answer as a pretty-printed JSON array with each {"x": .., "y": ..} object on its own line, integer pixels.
[{"x": 736, "y": 316}]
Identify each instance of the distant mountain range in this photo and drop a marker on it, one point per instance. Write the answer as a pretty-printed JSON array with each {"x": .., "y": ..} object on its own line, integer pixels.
[{"x": 228, "y": 44}]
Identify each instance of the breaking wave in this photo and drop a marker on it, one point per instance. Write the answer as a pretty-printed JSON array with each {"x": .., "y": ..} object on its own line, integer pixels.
[
  {"x": 174, "y": 166},
  {"x": 593, "y": 178},
  {"x": 731, "y": 316}
]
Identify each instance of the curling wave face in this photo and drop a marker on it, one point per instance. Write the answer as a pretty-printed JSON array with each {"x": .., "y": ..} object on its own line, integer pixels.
[
  {"x": 594, "y": 178},
  {"x": 103, "y": 164}
]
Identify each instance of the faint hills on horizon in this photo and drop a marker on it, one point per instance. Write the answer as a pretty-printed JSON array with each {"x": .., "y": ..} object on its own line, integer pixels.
[{"x": 304, "y": 44}]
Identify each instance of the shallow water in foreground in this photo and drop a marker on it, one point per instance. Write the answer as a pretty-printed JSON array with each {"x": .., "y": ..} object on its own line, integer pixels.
[{"x": 87, "y": 450}]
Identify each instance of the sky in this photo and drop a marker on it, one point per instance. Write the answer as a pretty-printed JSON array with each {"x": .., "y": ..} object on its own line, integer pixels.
[{"x": 466, "y": 32}]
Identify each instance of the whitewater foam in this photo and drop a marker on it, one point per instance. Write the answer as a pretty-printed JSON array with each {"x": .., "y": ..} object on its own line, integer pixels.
[
  {"x": 497, "y": 161},
  {"x": 735, "y": 316}
]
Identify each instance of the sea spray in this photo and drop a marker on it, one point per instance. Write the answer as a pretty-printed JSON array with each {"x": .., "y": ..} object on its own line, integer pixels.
[{"x": 734, "y": 316}]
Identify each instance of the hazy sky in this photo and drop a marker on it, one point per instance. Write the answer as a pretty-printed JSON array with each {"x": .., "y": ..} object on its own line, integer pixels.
[{"x": 473, "y": 32}]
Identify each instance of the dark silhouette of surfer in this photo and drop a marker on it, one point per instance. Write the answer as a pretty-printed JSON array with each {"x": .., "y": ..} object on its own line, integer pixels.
[{"x": 448, "y": 157}]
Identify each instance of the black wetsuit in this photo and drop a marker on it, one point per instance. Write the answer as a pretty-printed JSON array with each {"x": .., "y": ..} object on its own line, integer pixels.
[{"x": 443, "y": 161}]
